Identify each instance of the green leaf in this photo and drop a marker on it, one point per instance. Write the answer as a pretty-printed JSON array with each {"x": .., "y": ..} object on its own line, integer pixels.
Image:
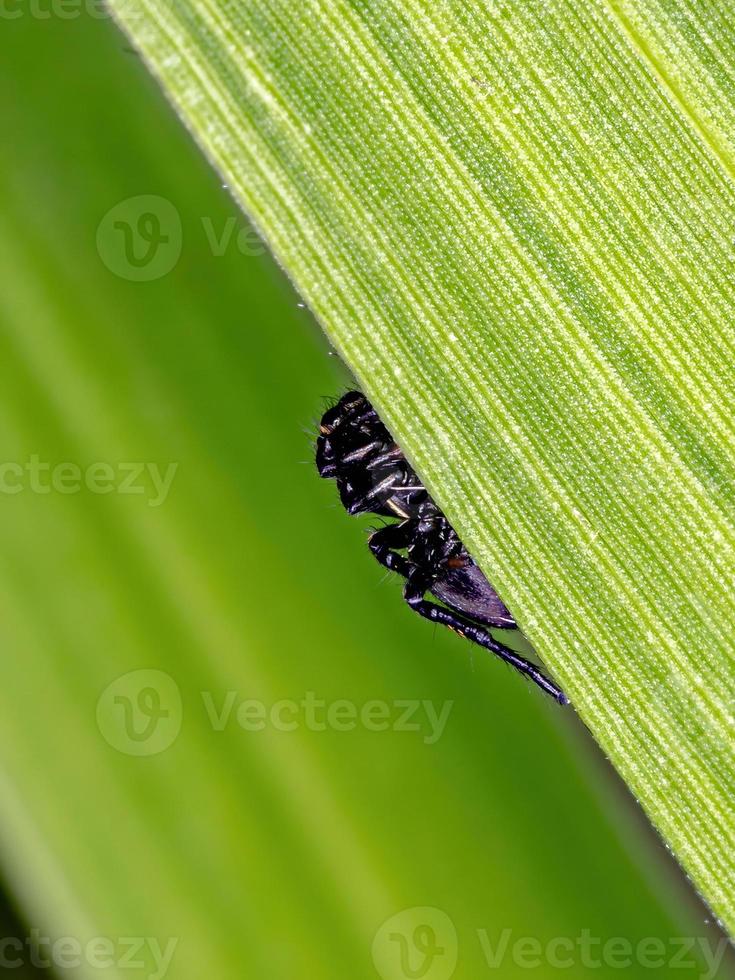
[
  {"x": 516, "y": 222},
  {"x": 269, "y": 852}
]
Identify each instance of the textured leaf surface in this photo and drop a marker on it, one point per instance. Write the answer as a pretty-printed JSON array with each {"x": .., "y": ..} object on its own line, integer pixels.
[{"x": 516, "y": 222}]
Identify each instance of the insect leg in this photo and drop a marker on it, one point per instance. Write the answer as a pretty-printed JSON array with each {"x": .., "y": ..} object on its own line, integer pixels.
[
  {"x": 385, "y": 543},
  {"x": 413, "y": 593}
]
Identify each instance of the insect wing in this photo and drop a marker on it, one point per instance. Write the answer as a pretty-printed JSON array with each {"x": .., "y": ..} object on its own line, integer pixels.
[{"x": 467, "y": 591}]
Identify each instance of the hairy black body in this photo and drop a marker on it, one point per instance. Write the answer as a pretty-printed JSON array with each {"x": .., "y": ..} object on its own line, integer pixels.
[{"x": 373, "y": 476}]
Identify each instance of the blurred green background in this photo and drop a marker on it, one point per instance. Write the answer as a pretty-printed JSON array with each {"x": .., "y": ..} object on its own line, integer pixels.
[{"x": 198, "y": 650}]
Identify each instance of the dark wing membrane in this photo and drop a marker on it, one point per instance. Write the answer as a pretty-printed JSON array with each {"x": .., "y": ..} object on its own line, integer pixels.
[{"x": 468, "y": 591}]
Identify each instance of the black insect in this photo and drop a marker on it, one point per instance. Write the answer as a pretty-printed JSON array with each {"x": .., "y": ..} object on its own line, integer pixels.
[{"x": 373, "y": 476}]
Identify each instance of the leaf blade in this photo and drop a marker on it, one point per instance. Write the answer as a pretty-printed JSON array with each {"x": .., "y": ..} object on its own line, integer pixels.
[{"x": 553, "y": 406}]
